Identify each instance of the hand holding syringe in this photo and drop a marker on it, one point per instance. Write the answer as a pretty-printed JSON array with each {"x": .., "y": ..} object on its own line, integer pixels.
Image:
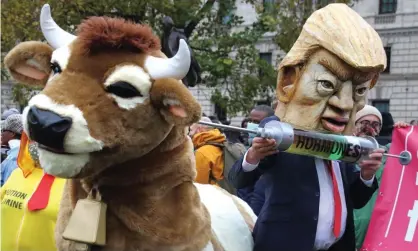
[{"x": 325, "y": 146}]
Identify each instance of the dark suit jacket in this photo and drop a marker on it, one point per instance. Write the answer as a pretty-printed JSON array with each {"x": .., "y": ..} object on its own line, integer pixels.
[
  {"x": 257, "y": 199},
  {"x": 289, "y": 216}
]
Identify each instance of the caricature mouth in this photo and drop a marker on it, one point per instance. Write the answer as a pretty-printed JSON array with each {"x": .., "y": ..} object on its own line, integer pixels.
[
  {"x": 53, "y": 150},
  {"x": 334, "y": 124}
]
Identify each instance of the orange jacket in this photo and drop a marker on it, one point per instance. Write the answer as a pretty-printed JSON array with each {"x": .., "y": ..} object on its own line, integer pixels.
[{"x": 209, "y": 158}]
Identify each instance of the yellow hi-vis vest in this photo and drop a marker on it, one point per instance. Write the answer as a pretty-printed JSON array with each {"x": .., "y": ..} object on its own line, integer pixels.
[{"x": 21, "y": 229}]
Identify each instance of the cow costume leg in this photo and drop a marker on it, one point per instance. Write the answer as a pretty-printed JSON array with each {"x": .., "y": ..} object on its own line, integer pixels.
[{"x": 113, "y": 115}]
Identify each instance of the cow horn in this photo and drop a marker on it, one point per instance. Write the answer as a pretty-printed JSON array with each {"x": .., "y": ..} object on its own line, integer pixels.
[
  {"x": 53, "y": 34},
  {"x": 175, "y": 67}
]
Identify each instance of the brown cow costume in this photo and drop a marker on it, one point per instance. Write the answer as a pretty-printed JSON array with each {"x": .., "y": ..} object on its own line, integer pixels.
[{"x": 112, "y": 115}]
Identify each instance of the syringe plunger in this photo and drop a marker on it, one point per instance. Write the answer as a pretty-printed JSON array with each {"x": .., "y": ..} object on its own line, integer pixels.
[{"x": 325, "y": 146}]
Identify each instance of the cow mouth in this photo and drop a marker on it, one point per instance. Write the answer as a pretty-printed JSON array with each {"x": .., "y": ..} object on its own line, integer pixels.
[
  {"x": 336, "y": 125},
  {"x": 53, "y": 150}
]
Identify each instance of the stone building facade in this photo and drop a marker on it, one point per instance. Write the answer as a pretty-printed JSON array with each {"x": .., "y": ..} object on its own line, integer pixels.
[
  {"x": 6, "y": 96},
  {"x": 396, "y": 21}
]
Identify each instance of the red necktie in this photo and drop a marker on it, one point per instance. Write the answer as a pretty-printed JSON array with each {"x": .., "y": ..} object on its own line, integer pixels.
[
  {"x": 337, "y": 200},
  {"x": 40, "y": 197}
]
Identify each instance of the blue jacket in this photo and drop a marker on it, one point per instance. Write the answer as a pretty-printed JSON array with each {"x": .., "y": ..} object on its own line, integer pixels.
[
  {"x": 258, "y": 197},
  {"x": 254, "y": 195},
  {"x": 245, "y": 194},
  {"x": 9, "y": 164},
  {"x": 288, "y": 218}
]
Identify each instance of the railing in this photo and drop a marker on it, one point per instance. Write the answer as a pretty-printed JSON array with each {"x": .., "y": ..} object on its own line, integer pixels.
[{"x": 395, "y": 20}]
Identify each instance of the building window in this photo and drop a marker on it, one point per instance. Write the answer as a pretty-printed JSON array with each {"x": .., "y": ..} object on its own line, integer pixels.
[
  {"x": 267, "y": 56},
  {"x": 388, "y": 51},
  {"x": 387, "y": 6},
  {"x": 268, "y": 5},
  {"x": 228, "y": 17},
  {"x": 381, "y": 105}
]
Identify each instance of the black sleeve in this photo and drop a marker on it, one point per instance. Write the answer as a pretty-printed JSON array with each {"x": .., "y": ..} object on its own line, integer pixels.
[
  {"x": 241, "y": 179},
  {"x": 258, "y": 197},
  {"x": 360, "y": 194}
]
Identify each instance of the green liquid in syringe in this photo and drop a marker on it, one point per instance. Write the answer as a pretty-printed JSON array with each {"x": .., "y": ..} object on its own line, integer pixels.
[{"x": 328, "y": 146}]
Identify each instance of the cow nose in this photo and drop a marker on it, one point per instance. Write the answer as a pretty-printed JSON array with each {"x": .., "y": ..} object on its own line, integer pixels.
[{"x": 48, "y": 128}]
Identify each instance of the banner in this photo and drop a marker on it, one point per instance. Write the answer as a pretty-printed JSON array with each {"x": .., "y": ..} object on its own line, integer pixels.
[{"x": 394, "y": 221}]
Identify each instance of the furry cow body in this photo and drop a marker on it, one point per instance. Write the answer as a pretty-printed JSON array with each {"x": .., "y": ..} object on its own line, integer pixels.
[
  {"x": 113, "y": 116},
  {"x": 163, "y": 209}
]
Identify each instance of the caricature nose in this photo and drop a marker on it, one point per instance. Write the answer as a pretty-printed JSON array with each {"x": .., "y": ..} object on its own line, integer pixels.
[
  {"x": 343, "y": 99},
  {"x": 48, "y": 128}
]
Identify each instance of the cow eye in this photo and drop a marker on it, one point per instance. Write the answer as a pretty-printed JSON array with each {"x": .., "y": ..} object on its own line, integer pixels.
[
  {"x": 123, "y": 89},
  {"x": 56, "y": 68}
]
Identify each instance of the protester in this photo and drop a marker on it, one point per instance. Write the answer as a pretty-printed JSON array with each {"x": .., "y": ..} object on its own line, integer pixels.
[
  {"x": 10, "y": 136},
  {"x": 414, "y": 122},
  {"x": 214, "y": 119},
  {"x": 4, "y": 146},
  {"x": 244, "y": 136},
  {"x": 257, "y": 114},
  {"x": 309, "y": 201},
  {"x": 29, "y": 204},
  {"x": 369, "y": 123},
  {"x": 385, "y": 135},
  {"x": 274, "y": 104},
  {"x": 232, "y": 136},
  {"x": 9, "y": 112},
  {"x": 209, "y": 160}
]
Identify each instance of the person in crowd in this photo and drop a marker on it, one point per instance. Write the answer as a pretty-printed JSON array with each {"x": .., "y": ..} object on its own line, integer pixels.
[
  {"x": 214, "y": 119},
  {"x": 257, "y": 114},
  {"x": 29, "y": 204},
  {"x": 414, "y": 122},
  {"x": 274, "y": 104},
  {"x": 4, "y": 146},
  {"x": 385, "y": 135},
  {"x": 232, "y": 136},
  {"x": 9, "y": 112},
  {"x": 209, "y": 159},
  {"x": 244, "y": 136},
  {"x": 10, "y": 136},
  {"x": 369, "y": 123}
]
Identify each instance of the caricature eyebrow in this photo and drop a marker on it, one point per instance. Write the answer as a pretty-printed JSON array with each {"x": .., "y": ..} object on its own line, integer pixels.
[
  {"x": 346, "y": 73},
  {"x": 334, "y": 67}
]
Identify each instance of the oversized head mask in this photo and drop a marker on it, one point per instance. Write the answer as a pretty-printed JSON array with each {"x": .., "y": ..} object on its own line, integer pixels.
[
  {"x": 109, "y": 95},
  {"x": 324, "y": 79}
]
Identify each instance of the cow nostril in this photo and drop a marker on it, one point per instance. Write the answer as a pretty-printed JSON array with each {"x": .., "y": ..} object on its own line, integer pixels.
[{"x": 48, "y": 128}]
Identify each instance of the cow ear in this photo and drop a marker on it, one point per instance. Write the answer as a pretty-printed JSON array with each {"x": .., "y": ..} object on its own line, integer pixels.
[
  {"x": 29, "y": 63},
  {"x": 175, "y": 101}
]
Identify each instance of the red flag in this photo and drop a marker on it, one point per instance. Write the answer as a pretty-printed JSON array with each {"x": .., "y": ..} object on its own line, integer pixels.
[{"x": 394, "y": 222}]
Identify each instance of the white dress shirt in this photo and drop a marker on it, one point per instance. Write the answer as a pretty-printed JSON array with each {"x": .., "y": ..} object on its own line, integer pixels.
[{"x": 324, "y": 230}]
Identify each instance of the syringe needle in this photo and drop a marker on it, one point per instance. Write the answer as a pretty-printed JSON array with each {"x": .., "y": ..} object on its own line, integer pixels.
[
  {"x": 404, "y": 158},
  {"x": 395, "y": 156}
]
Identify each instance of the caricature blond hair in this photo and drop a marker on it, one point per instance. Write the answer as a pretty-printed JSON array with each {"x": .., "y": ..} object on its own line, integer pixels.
[{"x": 340, "y": 30}]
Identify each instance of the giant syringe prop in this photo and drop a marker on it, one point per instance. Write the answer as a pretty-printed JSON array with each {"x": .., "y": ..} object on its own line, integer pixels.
[{"x": 325, "y": 146}]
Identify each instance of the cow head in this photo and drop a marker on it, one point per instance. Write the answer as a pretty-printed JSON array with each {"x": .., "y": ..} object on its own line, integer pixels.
[{"x": 110, "y": 95}]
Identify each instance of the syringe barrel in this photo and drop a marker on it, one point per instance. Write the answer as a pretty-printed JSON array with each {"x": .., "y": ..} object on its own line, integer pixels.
[
  {"x": 325, "y": 146},
  {"x": 332, "y": 147}
]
